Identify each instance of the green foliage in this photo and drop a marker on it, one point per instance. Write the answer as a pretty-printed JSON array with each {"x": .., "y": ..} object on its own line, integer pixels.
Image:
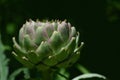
[
  {"x": 64, "y": 75},
  {"x": 89, "y": 76},
  {"x": 3, "y": 62},
  {"x": 17, "y": 72},
  {"x": 4, "y": 69}
]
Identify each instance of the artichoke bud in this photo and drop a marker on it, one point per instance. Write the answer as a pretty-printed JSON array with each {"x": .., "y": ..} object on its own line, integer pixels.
[{"x": 46, "y": 44}]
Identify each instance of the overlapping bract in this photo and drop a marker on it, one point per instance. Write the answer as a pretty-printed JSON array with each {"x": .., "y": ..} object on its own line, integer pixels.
[{"x": 47, "y": 44}]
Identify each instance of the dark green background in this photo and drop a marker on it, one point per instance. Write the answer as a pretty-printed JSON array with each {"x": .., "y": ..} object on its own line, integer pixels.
[{"x": 97, "y": 20}]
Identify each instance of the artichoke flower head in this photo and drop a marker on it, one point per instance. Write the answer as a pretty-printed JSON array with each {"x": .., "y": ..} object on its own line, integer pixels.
[{"x": 47, "y": 44}]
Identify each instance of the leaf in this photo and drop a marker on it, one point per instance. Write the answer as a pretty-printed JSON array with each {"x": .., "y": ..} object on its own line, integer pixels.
[
  {"x": 3, "y": 62},
  {"x": 88, "y": 76},
  {"x": 18, "y": 71}
]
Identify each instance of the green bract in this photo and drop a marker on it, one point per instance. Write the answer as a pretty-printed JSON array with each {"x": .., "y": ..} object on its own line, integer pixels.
[{"x": 47, "y": 44}]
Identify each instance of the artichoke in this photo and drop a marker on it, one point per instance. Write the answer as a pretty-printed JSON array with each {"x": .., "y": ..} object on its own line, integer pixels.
[{"x": 46, "y": 44}]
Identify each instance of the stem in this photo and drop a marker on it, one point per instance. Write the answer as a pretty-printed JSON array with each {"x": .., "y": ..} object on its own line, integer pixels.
[
  {"x": 82, "y": 69},
  {"x": 63, "y": 76},
  {"x": 47, "y": 74}
]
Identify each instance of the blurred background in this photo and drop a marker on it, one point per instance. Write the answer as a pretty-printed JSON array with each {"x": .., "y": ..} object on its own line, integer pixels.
[{"x": 98, "y": 22}]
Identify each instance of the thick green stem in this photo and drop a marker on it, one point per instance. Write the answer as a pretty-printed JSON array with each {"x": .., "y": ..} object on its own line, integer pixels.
[{"x": 47, "y": 74}]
